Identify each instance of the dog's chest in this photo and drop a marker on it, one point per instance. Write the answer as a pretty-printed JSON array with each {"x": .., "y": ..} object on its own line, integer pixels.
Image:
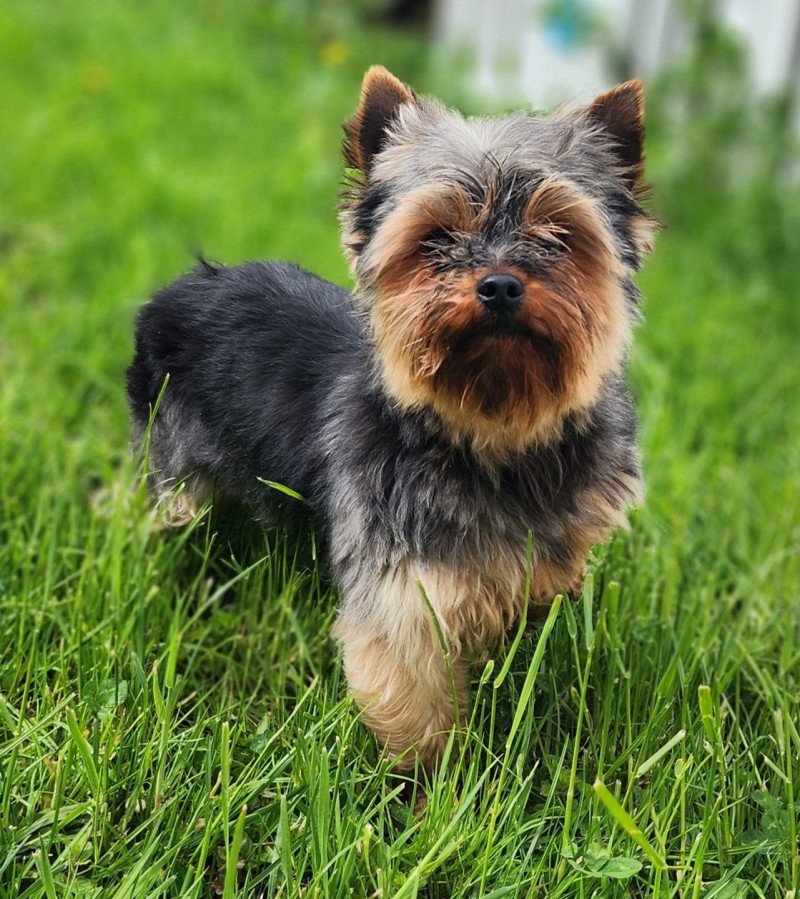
[{"x": 444, "y": 508}]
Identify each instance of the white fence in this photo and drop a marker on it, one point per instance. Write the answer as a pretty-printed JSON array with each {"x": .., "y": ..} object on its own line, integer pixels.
[{"x": 544, "y": 52}]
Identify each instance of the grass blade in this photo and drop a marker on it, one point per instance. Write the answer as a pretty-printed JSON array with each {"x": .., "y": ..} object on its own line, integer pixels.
[
  {"x": 627, "y": 823},
  {"x": 85, "y": 752},
  {"x": 232, "y": 861}
]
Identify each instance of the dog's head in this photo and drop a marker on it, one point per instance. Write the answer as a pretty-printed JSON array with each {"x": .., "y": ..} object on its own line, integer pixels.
[{"x": 494, "y": 255}]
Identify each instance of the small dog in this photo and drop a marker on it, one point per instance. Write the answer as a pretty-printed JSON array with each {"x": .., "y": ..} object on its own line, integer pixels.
[{"x": 470, "y": 392}]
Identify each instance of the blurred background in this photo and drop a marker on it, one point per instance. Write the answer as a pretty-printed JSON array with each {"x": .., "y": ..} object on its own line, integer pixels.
[{"x": 549, "y": 52}]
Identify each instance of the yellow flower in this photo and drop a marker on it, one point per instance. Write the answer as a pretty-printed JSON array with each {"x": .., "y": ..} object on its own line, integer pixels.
[{"x": 334, "y": 53}]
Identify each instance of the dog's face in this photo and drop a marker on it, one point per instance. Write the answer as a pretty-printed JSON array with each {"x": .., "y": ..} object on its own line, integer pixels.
[{"x": 495, "y": 255}]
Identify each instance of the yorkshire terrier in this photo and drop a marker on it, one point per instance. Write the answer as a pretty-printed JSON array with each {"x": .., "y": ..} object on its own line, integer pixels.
[{"x": 469, "y": 393}]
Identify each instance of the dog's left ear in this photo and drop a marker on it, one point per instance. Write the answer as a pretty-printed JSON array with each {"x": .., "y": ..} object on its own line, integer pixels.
[
  {"x": 620, "y": 112},
  {"x": 382, "y": 95}
]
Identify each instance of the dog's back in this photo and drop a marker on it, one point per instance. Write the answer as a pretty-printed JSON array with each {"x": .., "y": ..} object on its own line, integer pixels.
[{"x": 244, "y": 352}]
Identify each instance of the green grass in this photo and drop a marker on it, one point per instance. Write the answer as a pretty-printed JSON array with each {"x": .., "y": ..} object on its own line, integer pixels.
[{"x": 173, "y": 716}]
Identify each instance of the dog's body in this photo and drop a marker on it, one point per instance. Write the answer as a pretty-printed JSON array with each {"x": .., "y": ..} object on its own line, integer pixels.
[{"x": 428, "y": 448}]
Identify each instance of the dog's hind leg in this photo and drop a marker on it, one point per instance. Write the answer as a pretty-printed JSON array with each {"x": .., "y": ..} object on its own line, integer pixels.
[
  {"x": 177, "y": 483},
  {"x": 179, "y": 504}
]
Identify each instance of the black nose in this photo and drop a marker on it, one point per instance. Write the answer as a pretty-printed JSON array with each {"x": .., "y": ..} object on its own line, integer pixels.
[{"x": 501, "y": 293}]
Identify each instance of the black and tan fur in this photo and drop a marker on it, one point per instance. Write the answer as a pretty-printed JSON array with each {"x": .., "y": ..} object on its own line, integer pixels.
[{"x": 429, "y": 433}]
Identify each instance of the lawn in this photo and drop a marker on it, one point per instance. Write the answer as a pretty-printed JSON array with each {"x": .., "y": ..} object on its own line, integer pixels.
[{"x": 173, "y": 715}]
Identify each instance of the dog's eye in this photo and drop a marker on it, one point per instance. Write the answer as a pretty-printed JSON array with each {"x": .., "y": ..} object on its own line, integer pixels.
[
  {"x": 553, "y": 245},
  {"x": 551, "y": 241},
  {"x": 436, "y": 238}
]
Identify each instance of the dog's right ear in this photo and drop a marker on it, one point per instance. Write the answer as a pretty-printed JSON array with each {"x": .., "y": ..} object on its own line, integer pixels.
[{"x": 382, "y": 95}]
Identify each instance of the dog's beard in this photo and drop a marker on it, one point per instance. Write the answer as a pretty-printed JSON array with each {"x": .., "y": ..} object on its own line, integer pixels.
[{"x": 521, "y": 372}]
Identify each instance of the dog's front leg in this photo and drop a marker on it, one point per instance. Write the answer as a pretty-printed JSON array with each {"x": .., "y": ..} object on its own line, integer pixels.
[
  {"x": 410, "y": 692},
  {"x": 406, "y": 694}
]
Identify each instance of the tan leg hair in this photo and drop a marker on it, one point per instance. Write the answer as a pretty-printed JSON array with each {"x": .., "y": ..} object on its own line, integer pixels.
[
  {"x": 394, "y": 662},
  {"x": 177, "y": 506},
  {"x": 392, "y": 656},
  {"x": 408, "y": 703}
]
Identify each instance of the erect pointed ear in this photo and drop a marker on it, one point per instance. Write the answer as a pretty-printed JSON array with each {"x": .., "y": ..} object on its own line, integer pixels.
[
  {"x": 382, "y": 95},
  {"x": 621, "y": 113}
]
